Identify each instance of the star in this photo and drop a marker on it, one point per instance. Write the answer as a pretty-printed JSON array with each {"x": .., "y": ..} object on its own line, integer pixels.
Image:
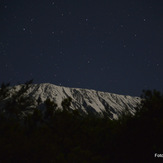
[
  {"x": 32, "y": 19},
  {"x": 6, "y": 65},
  {"x": 132, "y": 55},
  {"x": 61, "y": 52},
  {"x": 94, "y": 28},
  {"x": 102, "y": 69},
  {"x": 63, "y": 33}
]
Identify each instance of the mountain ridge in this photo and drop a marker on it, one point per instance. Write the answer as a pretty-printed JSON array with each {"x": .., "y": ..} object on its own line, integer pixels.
[{"x": 87, "y": 101}]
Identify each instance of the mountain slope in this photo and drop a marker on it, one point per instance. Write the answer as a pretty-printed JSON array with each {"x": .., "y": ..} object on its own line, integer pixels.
[{"x": 85, "y": 100}]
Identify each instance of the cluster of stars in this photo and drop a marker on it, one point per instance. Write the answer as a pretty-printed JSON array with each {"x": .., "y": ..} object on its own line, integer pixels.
[{"x": 67, "y": 36}]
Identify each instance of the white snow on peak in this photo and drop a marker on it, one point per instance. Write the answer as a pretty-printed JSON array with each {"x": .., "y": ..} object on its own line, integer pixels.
[{"x": 85, "y": 100}]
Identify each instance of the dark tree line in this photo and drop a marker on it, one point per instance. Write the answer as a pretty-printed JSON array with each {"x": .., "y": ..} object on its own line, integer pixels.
[{"x": 67, "y": 136}]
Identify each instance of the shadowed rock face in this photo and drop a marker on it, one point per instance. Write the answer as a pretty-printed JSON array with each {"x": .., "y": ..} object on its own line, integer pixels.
[{"x": 85, "y": 100}]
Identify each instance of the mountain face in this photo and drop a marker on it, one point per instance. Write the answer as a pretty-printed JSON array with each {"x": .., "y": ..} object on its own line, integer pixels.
[{"x": 85, "y": 100}]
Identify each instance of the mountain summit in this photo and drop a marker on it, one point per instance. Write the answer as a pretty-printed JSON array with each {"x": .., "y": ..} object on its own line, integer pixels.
[{"x": 85, "y": 100}]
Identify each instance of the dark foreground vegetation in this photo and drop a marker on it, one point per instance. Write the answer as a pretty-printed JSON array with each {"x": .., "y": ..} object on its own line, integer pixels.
[{"x": 67, "y": 136}]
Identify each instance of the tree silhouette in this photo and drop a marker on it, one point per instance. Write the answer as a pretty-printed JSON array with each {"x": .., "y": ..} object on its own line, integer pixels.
[
  {"x": 66, "y": 103},
  {"x": 54, "y": 135},
  {"x": 50, "y": 108}
]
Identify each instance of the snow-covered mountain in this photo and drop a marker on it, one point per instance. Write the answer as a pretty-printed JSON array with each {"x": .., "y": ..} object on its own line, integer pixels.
[{"x": 85, "y": 100}]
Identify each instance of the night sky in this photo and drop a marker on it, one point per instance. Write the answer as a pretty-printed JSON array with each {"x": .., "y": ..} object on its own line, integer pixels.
[{"x": 107, "y": 45}]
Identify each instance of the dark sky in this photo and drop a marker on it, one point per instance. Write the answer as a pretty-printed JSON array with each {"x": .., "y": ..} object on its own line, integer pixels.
[{"x": 107, "y": 45}]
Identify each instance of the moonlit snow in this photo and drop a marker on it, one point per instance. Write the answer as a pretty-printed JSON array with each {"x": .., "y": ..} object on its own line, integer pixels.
[{"x": 85, "y": 100}]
